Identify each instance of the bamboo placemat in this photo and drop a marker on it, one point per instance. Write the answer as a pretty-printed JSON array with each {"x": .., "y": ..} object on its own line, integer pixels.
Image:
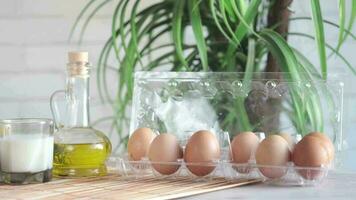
[{"x": 116, "y": 187}]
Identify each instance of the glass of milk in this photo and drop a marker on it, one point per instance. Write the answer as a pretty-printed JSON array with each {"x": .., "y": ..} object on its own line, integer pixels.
[{"x": 26, "y": 150}]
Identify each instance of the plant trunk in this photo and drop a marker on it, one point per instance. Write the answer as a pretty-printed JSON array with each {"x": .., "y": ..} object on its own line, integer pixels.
[{"x": 279, "y": 13}]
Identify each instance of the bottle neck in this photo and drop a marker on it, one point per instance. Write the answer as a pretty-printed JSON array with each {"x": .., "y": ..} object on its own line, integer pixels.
[{"x": 77, "y": 92}]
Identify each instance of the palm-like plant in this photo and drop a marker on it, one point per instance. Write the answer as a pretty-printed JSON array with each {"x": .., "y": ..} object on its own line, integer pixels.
[{"x": 226, "y": 35}]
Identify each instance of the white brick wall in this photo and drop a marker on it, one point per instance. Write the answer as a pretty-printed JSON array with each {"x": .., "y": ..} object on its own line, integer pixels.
[
  {"x": 33, "y": 46},
  {"x": 33, "y": 54}
]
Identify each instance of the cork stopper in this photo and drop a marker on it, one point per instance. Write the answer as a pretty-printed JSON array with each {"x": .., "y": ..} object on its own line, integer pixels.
[
  {"x": 78, "y": 56},
  {"x": 78, "y": 64}
]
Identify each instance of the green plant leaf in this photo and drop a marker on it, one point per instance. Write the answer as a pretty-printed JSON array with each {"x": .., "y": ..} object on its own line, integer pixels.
[
  {"x": 108, "y": 94},
  {"x": 126, "y": 68},
  {"x": 329, "y": 47},
  {"x": 100, "y": 72},
  {"x": 213, "y": 11},
  {"x": 241, "y": 4},
  {"x": 289, "y": 63},
  {"x": 243, "y": 28},
  {"x": 308, "y": 66},
  {"x": 80, "y": 15},
  {"x": 352, "y": 19},
  {"x": 319, "y": 35},
  {"x": 177, "y": 30},
  {"x": 245, "y": 21},
  {"x": 349, "y": 33},
  {"x": 282, "y": 52},
  {"x": 342, "y": 16},
  {"x": 244, "y": 120},
  {"x": 344, "y": 32},
  {"x": 130, "y": 60},
  {"x": 198, "y": 32},
  {"x": 114, "y": 31},
  {"x": 314, "y": 102},
  {"x": 226, "y": 21},
  {"x": 251, "y": 55},
  {"x": 133, "y": 26},
  {"x": 122, "y": 26},
  {"x": 311, "y": 97},
  {"x": 228, "y": 7},
  {"x": 92, "y": 14}
]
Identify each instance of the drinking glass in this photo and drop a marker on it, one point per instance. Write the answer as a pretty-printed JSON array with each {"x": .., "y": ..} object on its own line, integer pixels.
[{"x": 26, "y": 150}]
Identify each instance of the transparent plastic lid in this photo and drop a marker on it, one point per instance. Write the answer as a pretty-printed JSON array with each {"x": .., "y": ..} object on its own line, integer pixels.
[{"x": 182, "y": 103}]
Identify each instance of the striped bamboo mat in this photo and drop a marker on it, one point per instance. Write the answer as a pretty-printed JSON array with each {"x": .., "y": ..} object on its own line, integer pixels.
[{"x": 115, "y": 187}]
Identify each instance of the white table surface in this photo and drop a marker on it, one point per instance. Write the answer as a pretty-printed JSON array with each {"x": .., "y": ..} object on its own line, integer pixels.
[{"x": 338, "y": 185}]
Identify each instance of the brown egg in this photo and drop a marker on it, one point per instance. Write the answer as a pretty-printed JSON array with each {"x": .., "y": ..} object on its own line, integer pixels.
[
  {"x": 290, "y": 140},
  {"x": 310, "y": 152},
  {"x": 273, "y": 151},
  {"x": 165, "y": 148},
  {"x": 329, "y": 145},
  {"x": 243, "y": 146},
  {"x": 139, "y": 143},
  {"x": 202, "y": 147}
]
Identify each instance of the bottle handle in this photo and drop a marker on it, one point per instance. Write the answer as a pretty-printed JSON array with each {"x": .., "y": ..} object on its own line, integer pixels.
[{"x": 55, "y": 108}]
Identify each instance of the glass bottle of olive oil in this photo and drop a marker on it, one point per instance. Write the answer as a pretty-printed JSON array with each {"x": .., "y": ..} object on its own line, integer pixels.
[{"x": 79, "y": 150}]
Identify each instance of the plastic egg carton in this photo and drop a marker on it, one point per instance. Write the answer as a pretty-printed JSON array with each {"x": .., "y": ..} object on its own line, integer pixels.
[
  {"x": 182, "y": 103},
  {"x": 229, "y": 171},
  {"x": 223, "y": 168}
]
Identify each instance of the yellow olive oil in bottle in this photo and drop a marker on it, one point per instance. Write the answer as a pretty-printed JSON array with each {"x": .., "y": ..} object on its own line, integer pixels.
[{"x": 79, "y": 150}]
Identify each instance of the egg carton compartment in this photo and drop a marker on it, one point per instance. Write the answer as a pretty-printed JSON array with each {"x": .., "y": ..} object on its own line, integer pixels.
[
  {"x": 283, "y": 175},
  {"x": 166, "y": 170},
  {"x": 182, "y": 103},
  {"x": 197, "y": 171},
  {"x": 288, "y": 175}
]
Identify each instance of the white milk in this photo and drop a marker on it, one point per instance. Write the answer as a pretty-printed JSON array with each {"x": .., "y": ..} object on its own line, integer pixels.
[{"x": 26, "y": 153}]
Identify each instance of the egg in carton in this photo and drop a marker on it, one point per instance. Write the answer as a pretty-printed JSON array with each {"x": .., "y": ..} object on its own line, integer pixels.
[
  {"x": 281, "y": 159},
  {"x": 199, "y": 155}
]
